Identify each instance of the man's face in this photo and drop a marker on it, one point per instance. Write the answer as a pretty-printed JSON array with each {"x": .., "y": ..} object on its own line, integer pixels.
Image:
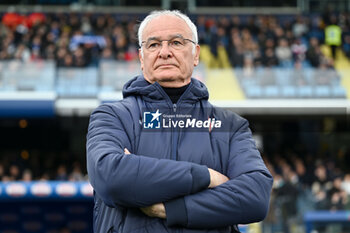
[{"x": 168, "y": 66}]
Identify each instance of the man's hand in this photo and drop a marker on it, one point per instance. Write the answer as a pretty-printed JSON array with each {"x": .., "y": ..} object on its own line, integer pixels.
[
  {"x": 155, "y": 211},
  {"x": 216, "y": 178}
]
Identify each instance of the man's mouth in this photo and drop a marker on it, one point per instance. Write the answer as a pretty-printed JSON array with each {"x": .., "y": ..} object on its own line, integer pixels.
[{"x": 165, "y": 66}]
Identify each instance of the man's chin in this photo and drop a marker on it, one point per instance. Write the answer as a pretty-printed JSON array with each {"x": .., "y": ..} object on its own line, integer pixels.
[
  {"x": 172, "y": 82},
  {"x": 167, "y": 77}
]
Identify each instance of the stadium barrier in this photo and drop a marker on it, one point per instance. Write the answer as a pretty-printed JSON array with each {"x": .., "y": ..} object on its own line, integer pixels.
[
  {"x": 46, "y": 206},
  {"x": 324, "y": 218}
]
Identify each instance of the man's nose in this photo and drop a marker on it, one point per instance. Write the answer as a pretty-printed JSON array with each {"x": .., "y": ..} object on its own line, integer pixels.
[{"x": 165, "y": 51}]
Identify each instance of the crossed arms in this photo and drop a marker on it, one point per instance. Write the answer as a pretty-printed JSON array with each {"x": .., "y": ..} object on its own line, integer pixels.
[{"x": 158, "y": 210}]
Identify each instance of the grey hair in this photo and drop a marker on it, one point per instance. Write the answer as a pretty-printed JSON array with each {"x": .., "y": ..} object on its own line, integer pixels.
[{"x": 155, "y": 14}]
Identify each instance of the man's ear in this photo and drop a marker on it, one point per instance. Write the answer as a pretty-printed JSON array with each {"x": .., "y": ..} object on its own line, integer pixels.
[
  {"x": 196, "y": 55},
  {"x": 141, "y": 58}
]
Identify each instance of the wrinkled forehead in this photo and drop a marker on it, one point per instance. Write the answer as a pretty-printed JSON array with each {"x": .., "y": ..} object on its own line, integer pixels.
[{"x": 166, "y": 26}]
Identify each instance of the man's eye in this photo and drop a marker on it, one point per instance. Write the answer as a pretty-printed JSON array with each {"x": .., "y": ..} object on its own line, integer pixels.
[
  {"x": 176, "y": 42},
  {"x": 153, "y": 45}
]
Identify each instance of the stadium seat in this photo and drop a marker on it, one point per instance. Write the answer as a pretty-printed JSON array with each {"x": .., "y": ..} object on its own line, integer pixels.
[
  {"x": 338, "y": 92},
  {"x": 283, "y": 76},
  {"x": 254, "y": 92},
  {"x": 247, "y": 82},
  {"x": 90, "y": 91},
  {"x": 289, "y": 91},
  {"x": 271, "y": 91},
  {"x": 305, "y": 91},
  {"x": 322, "y": 91}
]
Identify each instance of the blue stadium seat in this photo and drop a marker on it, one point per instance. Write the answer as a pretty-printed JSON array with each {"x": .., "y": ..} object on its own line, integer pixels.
[
  {"x": 282, "y": 76},
  {"x": 305, "y": 91},
  {"x": 322, "y": 91},
  {"x": 9, "y": 88},
  {"x": 42, "y": 87},
  {"x": 309, "y": 75},
  {"x": 106, "y": 89},
  {"x": 90, "y": 90},
  {"x": 289, "y": 91},
  {"x": 248, "y": 82},
  {"x": 271, "y": 91},
  {"x": 254, "y": 92},
  {"x": 338, "y": 92}
]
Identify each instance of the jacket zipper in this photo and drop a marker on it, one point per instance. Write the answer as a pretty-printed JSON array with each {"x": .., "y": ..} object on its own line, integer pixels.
[
  {"x": 174, "y": 132},
  {"x": 175, "y": 137},
  {"x": 174, "y": 108}
]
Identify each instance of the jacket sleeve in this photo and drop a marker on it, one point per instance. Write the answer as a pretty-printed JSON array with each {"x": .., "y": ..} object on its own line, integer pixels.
[
  {"x": 241, "y": 200},
  {"x": 133, "y": 180}
]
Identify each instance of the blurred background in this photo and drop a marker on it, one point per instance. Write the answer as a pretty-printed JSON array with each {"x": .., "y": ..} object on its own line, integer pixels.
[{"x": 283, "y": 65}]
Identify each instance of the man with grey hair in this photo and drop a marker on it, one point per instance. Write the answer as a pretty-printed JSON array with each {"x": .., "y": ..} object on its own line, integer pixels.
[{"x": 164, "y": 159}]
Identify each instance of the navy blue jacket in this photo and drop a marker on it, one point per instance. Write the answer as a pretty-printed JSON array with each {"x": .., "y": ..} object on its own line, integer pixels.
[{"x": 170, "y": 166}]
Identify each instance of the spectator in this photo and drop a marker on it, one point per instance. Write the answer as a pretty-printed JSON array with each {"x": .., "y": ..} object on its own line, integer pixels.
[
  {"x": 68, "y": 60},
  {"x": 288, "y": 194},
  {"x": 346, "y": 45},
  {"x": 314, "y": 54},
  {"x": 36, "y": 46},
  {"x": 2, "y": 172},
  {"x": 62, "y": 173},
  {"x": 345, "y": 184},
  {"x": 8, "y": 47},
  {"x": 236, "y": 51},
  {"x": 107, "y": 54},
  {"x": 60, "y": 55},
  {"x": 269, "y": 58},
  {"x": 201, "y": 30},
  {"x": 79, "y": 57},
  {"x": 27, "y": 175},
  {"x": 76, "y": 174},
  {"x": 22, "y": 53},
  {"x": 120, "y": 47},
  {"x": 333, "y": 35},
  {"x": 320, "y": 187},
  {"x": 300, "y": 169},
  {"x": 49, "y": 52},
  {"x": 86, "y": 27},
  {"x": 336, "y": 195},
  {"x": 248, "y": 68},
  {"x": 14, "y": 173},
  {"x": 298, "y": 50},
  {"x": 300, "y": 27},
  {"x": 284, "y": 53}
]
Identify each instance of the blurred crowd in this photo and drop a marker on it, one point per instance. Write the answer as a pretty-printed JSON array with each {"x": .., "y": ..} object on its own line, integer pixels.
[
  {"x": 55, "y": 166},
  {"x": 83, "y": 39},
  {"x": 271, "y": 41},
  {"x": 304, "y": 184},
  {"x": 72, "y": 40}
]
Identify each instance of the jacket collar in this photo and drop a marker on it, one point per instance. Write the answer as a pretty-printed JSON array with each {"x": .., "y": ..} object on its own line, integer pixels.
[{"x": 138, "y": 86}]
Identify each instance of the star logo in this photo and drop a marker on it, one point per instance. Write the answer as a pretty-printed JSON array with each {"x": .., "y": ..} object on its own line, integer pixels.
[{"x": 156, "y": 115}]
